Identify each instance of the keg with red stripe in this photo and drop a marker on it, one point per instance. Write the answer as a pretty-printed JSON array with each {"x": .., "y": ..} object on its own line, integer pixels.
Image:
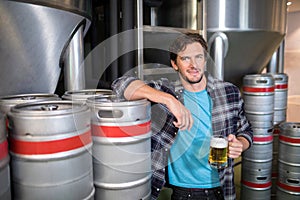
[
  {"x": 256, "y": 180},
  {"x": 5, "y": 192},
  {"x": 289, "y": 161},
  {"x": 280, "y": 97},
  {"x": 257, "y": 167},
  {"x": 50, "y": 146},
  {"x": 258, "y": 91},
  {"x": 121, "y": 148},
  {"x": 83, "y": 95},
  {"x": 261, "y": 150}
]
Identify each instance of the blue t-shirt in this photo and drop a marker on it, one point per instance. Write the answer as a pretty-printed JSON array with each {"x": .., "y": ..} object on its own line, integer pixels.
[{"x": 188, "y": 161}]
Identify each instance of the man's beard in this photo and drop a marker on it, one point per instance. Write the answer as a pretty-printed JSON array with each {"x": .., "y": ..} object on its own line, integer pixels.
[{"x": 191, "y": 81}]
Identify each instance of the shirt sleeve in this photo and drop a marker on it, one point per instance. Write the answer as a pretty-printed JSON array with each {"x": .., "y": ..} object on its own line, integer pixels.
[
  {"x": 119, "y": 85},
  {"x": 244, "y": 127}
]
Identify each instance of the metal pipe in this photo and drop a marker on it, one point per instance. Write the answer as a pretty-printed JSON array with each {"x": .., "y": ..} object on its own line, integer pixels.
[
  {"x": 128, "y": 42},
  {"x": 219, "y": 42},
  {"x": 140, "y": 56},
  {"x": 112, "y": 71},
  {"x": 276, "y": 64},
  {"x": 73, "y": 64},
  {"x": 281, "y": 57}
]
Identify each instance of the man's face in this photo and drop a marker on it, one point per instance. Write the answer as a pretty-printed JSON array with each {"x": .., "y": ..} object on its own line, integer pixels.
[{"x": 190, "y": 63}]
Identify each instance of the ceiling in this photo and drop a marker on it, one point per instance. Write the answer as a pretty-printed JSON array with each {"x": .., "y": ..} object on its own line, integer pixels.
[{"x": 295, "y": 6}]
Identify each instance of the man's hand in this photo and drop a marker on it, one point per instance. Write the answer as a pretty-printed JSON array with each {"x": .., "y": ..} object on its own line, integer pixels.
[
  {"x": 236, "y": 146},
  {"x": 182, "y": 114}
]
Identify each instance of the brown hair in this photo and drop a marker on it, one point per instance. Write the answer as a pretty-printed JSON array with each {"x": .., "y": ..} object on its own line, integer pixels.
[{"x": 182, "y": 41}]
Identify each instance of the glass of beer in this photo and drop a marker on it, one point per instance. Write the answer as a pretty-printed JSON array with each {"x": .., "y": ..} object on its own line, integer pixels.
[{"x": 218, "y": 151}]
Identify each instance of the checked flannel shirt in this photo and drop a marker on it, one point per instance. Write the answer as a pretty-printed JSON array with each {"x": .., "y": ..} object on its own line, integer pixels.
[{"x": 227, "y": 117}]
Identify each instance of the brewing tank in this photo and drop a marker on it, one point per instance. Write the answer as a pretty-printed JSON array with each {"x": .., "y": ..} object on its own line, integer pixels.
[
  {"x": 247, "y": 32},
  {"x": 34, "y": 37}
]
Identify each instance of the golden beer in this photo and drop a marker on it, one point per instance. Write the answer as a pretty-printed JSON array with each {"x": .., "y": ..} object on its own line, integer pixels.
[{"x": 218, "y": 152}]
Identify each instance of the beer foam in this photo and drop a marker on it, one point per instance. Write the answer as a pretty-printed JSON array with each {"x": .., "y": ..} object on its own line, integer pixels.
[{"x": 218, "y": 143}]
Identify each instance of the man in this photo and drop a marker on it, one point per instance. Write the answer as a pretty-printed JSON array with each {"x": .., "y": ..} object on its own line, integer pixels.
[{"x": 205, "y": 107}]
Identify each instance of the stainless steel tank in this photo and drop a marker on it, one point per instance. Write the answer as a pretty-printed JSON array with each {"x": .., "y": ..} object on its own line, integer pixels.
[
  {"x": 34, "y": 38},
  {"x": 243, "y": 35}
]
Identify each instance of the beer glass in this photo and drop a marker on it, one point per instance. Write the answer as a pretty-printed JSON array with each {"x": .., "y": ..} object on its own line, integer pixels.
[{"x": 218, "y": 151}]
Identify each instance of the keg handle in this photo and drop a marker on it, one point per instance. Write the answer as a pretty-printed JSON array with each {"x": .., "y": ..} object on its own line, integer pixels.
[
  {"x": 293, "y": 181},
  {"x": 109, "y": 114},
  {"x": 28, "y": 98},
  {"x": 261, "y": 178},
  {"x": 262, "y": 81}
]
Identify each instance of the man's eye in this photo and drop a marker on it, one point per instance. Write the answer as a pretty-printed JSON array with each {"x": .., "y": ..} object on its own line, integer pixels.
[{"x": 185, "y": 58}]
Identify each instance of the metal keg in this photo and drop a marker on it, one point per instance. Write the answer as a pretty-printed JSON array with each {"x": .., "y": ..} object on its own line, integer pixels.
[
  {"x": 83, "y": 95},
  {"x": 7, "y": 102},
  {"x": 261, "y": 150},
  {"x": 258, "y": 93},
  {"x": 288, "y": 184},
  {"x": 281, "y": 91},
  {"x": 280, "y": 97},
  {"x": 50, "y": 146},
  {"x": 121, "y": 148},
  {"x": 254, "y": 192},
  {"x": 289, "y": 143},
  {"x": 256, "y": 180},
  {"x": 5, "y": 192}
]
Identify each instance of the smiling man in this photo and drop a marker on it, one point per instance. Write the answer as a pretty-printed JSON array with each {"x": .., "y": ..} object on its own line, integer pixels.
[{"x": 205, "y": 107}]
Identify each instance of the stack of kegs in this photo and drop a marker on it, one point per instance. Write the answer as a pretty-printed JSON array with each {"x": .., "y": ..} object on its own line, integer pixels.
[
  {"x": 258, "y": 94},
  {"x": 90, "y": 145},
  {"x": 121, "y": 148},
  {"x": 288, "y": 185},
  {"x": 280, "y": 107}
]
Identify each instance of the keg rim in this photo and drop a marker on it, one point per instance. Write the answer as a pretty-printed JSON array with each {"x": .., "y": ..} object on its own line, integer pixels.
[
  {"x": 113, "y": 100},
  {"x": 36, "y": 108},
  {"x": 85, "y": 93}
]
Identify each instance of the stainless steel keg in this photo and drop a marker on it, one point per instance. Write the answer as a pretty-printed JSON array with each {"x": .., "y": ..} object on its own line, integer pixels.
[
  {"x": 258, "y": 93},
  {"x": 121, "y": 148},
  {"x": 5, "y": 191},
  {"x": 288, "y": 184},
  {"x": 50, "y": 146}
]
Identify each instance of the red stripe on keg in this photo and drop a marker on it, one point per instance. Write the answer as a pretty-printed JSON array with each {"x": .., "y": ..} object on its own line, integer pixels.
[
  {"x": 49, "y": 147},
  {"x": 282, "y": 86},
  {"x": 263, "y": 139},
  {"x": 257, "y": 185},
  {"x": 3, "y": 149},
  {"x": 288, "y": 139},
  {"x": 288, "y": 187},
  {"x": 121, "y": 131},
  {"x": 250, "y": 89}
]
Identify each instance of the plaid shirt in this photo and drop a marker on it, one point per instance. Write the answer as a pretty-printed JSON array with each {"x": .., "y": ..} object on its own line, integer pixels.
[{"x": 227, "y": 117}]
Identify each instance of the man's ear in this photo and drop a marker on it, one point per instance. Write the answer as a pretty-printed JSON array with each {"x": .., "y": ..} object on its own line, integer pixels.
[{"x": 175, "y": 67}]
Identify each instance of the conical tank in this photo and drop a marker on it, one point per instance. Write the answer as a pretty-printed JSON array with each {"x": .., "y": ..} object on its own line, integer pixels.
[
  {"x": 34, "y": 36},
  {"x": 250, "y": 30}
]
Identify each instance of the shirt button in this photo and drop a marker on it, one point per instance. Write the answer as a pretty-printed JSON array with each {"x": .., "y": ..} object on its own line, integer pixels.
[
  {"x": 166, "y": 149},
  {"x": 157, "y": 189}
]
